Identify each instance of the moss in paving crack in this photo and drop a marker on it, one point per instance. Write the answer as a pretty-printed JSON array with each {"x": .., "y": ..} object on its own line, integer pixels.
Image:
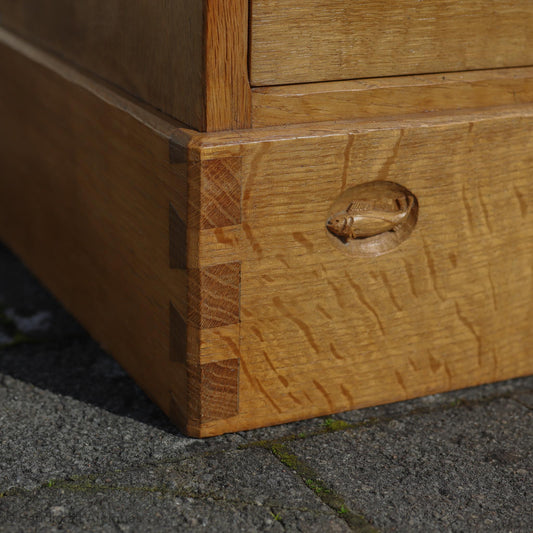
[
  {"x": 325, "y": 493},
  {"x": 13, "y": 492},
  {"x": 317, "y": 486},
  {"x": 331, "y": 424},
  {"x": 89, "y": 484}
]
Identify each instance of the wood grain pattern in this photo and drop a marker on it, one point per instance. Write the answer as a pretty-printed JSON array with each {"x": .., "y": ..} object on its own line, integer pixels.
[
  {"x": 214, "y": 391},
  {"x": 177, "y": 336},
  {"x": 227, "y": 88},
  {"x": 214, "y": 295},
  {"x": 177, "y": 239},
  {"x": 269, "y": 322},
  {"x": 214, "y": 314},
  {"x": 326, "y": 40},
  {"x": 344, "y": 100},
  {"x": 322, "y": 331},
  {"x": 153, "y": 50},
  {"x": 85, "y": 188},
  {"x": 187, "y": 58},
  {"x": 221, "y": 192}
]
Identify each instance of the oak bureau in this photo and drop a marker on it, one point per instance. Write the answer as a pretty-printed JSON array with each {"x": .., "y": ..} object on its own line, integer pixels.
[{"x": 269, "y": 210}]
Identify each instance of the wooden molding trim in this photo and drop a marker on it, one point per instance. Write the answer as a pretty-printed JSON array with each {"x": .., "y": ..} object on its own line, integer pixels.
[
  {"x": 152, "y": 50},
  {"x": 344, "y": 100}
]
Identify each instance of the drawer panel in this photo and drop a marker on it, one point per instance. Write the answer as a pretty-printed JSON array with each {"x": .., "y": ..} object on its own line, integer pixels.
[{"x": 325, "y": 40}]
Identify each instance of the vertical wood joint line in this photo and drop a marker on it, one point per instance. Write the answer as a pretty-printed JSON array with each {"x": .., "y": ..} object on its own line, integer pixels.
[{"x": 178, "y": 342}]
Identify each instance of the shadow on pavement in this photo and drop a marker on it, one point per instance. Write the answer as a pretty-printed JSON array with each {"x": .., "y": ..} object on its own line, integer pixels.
[{"x": 41, "y": 344}]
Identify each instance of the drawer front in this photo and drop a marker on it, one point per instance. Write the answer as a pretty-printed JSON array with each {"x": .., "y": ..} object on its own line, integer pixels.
[
  {"x": 327, "y": 324},
  {"x": 323, "y": 40}
]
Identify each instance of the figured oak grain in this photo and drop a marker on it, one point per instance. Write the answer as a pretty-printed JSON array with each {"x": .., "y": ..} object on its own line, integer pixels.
[
  {"x": 322, "y": 331},
  {"x": 280, "y": 325},
  {"x": 326, "y": 40}
]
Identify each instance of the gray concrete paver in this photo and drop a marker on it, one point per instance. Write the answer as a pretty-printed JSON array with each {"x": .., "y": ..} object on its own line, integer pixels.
[
  {"x": 45, "y": 436},
  {"x": 78, "y": 506},
  {"x": 251, "y": 475},
  {"x": 129, "y": 512},
  {"x": 462, "y": 469}
]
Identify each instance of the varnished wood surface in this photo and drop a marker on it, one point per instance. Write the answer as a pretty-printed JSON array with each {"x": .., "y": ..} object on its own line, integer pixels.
[
  {"x": 187, "y": 58},
  {"x": 322, "y": 331},
  {"x": 94, "y": 197},
  {"x": 327, "y": 40},
  {"x": 343, "y": 100},
  {"x": 227, "y": 88},
  {"x": 85, "y": 187},
  {"x": 202, "y": 262}
]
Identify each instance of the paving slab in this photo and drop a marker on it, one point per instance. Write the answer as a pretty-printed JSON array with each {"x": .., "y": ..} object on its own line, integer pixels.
[
  {"x": 133, "y": 511},
  {"x": 467, "y": 468},
  {"x": 44, "y": 436}
]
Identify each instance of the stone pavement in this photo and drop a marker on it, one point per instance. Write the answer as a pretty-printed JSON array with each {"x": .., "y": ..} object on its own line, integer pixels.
[{"x": 83, "y": 449}]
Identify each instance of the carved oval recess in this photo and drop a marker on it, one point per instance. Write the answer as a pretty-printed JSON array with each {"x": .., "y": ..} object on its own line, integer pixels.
[{"x": 372, "y": 218}]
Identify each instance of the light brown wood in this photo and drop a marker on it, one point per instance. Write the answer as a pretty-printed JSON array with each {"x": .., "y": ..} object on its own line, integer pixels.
[
  {"x": 227, "y": 89},
  {"x": 322, "y": 330},
  {"x": 326, "y": 40},
  {"x": 203, "y": 262},
  {"x": 343, "y": 100},
  {"x": 187, "y": 58},
  {"x": 86, "y": 181},
  {"x": 372, "y": 218}
]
